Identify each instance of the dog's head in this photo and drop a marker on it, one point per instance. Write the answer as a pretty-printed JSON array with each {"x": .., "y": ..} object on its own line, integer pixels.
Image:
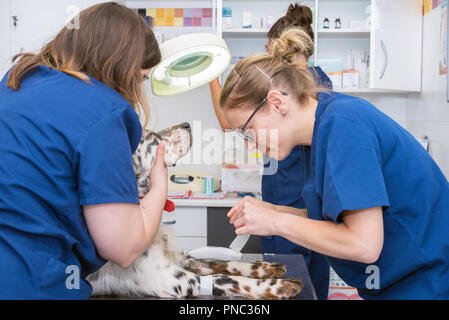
[{"x": 177, "y": 141}]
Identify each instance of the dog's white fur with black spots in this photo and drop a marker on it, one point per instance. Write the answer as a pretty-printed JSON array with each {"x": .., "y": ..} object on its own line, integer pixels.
[{"x": 161, "y": 271}]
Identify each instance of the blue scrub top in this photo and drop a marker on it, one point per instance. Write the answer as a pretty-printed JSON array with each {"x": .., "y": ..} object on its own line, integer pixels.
[
  {"x": 63, "y": 144},
  {"x": 360, "y": 158},
  {"x": 284, "y": 188}
]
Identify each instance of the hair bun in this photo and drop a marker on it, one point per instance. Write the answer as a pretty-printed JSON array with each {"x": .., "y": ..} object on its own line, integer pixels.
[{"x": 293, "y": 42}]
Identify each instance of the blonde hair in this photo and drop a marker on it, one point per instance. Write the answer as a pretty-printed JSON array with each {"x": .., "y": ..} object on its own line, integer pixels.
[
  {"x": 253, "y": 76},
  {"x": 292, "y": 43}
]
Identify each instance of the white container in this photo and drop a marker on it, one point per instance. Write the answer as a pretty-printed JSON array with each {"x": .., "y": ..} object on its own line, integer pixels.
[
  {"x": 358, "y": 25},
  {"x": 336, "y": 78},
  {"x": 350, "y": 79},
  {"x": 270, "y": 21},
  {"x": 247, "y": 18},
  {"x": 362, "y": 67},
  {"x": 241, "y": 178}
]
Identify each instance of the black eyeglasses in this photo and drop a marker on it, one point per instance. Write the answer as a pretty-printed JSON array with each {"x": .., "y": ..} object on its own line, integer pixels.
[{"x": 251, "y": 137}]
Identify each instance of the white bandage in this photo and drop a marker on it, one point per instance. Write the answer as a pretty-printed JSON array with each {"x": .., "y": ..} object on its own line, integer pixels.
[{"x": 206, "y": 284}]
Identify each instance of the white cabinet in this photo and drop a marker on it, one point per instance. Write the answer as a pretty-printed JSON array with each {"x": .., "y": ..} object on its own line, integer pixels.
[
  {"x": 396, "y": 44},
  {"x": 190, "y": 229},
  {"x": 393, "y": 41}
]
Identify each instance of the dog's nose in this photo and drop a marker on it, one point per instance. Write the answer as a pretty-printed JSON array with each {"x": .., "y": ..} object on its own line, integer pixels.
[{"x": 185, "y": 125}]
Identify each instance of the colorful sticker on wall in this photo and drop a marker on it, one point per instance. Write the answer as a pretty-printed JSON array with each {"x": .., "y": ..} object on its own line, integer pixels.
[
  {"x": 443, "y": 39},
  {"x": 179, "y": 17},
  {"x": 339, "y": 290},
  {"x": 429, "y": 5}
]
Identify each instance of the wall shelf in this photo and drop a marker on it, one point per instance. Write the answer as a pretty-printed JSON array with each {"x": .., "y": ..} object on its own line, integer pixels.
[
  {"x": 244, "y": 33},
  {"x": 368, "y": 90},
  {"x": 344, "y": 33}
]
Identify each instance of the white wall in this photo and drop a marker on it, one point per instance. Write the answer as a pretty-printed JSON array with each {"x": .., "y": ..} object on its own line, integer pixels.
[
  {"x": 5, "y": 39},
  {"x": 394, "y": 105},
  {"x": 39, "y": 21},
  {"x": 427, "y": 113}
]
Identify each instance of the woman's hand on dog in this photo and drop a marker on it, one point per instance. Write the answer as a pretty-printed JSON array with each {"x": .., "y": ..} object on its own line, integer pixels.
[{"x": 158, "y": 173}]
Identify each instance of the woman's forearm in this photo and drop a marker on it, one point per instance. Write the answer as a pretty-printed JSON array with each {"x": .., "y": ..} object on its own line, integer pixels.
[
  {"x": 294, "y": 211},
  {"x": 325, "y": 237},
  {"x": 151, "y": 207}
]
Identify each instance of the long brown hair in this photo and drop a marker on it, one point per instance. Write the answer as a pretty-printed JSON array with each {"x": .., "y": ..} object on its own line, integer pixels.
[{"x": 112, "y": 44}]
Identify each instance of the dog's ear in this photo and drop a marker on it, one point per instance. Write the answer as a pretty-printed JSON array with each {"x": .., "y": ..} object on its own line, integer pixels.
[{"x": 146, "y": 134}]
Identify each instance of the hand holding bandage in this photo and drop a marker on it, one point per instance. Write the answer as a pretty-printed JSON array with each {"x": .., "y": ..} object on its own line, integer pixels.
[{"x": 253, "y": 216}]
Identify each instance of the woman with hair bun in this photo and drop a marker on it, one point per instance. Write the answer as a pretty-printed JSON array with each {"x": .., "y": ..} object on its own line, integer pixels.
[
  {"x": 284, "y": 187},
  {"x": 376, "y": 203}
]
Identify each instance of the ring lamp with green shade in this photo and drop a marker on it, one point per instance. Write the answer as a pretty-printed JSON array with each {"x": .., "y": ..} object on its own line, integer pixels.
[{"x": 188, "y": 62}]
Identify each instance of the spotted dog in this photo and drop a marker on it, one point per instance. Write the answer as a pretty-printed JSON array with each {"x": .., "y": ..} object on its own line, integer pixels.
[{"x": 163, "y": 272}]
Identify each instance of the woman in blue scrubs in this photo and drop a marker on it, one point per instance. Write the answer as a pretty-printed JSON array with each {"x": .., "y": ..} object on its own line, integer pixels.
[
  {"x": 285, "y": 185},
  {"x": 377, "y": 205},
  {"x": 68, "y": 129}
]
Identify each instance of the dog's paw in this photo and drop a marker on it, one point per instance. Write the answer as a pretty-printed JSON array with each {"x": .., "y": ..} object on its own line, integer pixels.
[
  {"x": 267, "y": 270},
  {"x": 289, "y": 288}
]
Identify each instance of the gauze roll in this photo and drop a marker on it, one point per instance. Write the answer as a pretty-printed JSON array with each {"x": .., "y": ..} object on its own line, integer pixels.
[{"x": 206, "y": 284}]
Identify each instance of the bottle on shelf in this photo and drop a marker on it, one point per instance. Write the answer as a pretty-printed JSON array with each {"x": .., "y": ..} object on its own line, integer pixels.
[
  {"x": 338, "y": 23},
  {"x": 260, "y": 26},
  {"x": 326, "y": 23},
  {"x": 227, "y": 18}
]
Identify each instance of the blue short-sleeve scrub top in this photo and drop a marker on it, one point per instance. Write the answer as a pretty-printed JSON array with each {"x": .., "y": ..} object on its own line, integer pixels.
[
  {"x": 360, "y": 158},
  {"x": 64, "y": 143}
]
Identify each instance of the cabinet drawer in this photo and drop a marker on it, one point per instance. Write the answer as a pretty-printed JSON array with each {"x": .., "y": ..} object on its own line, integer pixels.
[{"x": 190, "y": 222}]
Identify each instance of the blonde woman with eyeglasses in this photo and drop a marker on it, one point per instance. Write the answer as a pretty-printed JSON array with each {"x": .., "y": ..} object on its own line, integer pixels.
[{"x": 374, "y": 198}]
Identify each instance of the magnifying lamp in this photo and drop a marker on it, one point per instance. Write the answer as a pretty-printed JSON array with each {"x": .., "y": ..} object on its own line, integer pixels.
[{"x": 189, "y": 61}]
